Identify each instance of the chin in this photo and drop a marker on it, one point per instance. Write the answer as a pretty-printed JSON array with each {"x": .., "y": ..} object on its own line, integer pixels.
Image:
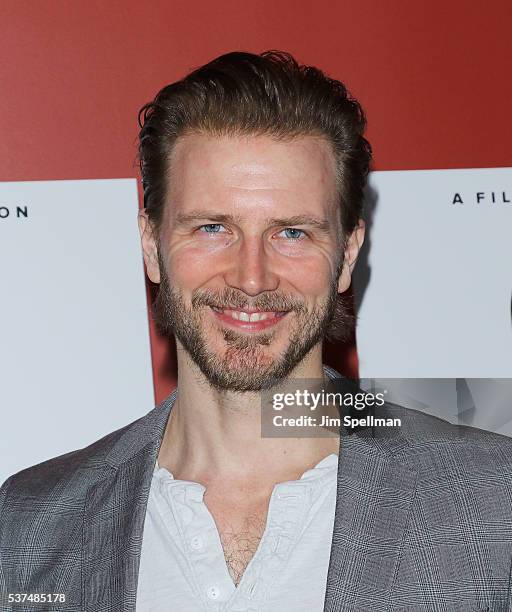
[{"x": 241, "y": 370}]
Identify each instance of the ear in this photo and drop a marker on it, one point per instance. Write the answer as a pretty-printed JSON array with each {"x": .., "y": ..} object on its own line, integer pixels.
[
  {"x": 149, "y": 246},
  {"x": 352, "y": 249}
]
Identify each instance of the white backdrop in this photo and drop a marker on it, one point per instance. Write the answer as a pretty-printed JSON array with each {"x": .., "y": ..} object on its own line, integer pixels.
[
  {"x": 438, "y": 299},
  {"x": 75, "y": 361},
  {"x": 433, "y": 289}
]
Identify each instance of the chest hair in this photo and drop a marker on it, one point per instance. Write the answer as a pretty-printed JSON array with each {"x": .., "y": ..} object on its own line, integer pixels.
[{"x": 240, "y": 528}]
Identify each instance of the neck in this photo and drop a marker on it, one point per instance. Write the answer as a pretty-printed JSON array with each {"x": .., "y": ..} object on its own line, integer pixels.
[{"x": 212, "y": 434}]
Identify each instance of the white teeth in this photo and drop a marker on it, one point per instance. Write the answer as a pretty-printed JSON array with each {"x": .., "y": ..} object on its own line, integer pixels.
[
  {"x": 246, "y": 317},
  {"x": 259, "y": 316}
]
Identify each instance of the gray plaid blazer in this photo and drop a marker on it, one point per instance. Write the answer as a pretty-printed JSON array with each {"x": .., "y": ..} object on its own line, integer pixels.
[{"x": 423, "y": 520}]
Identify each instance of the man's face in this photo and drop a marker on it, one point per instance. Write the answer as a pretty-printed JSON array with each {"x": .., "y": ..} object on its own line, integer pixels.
[{"x": 250, "y": 254}]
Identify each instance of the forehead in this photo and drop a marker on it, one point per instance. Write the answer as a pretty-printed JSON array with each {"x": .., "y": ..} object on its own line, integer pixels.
[{"x": 260, "y": 167}]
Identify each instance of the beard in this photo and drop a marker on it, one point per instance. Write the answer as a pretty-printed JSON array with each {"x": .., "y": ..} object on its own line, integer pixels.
[{"x": 245, "y": 365}]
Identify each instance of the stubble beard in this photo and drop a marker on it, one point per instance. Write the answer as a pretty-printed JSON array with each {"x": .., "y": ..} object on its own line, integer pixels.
[{"x": 245, "y": 364}]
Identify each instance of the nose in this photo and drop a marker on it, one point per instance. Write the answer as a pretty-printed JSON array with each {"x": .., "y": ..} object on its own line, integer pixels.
[{"x": 250, "y": 270}]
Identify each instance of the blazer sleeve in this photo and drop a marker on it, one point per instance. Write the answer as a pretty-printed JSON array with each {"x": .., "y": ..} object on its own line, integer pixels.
[{"x": 4, "y": 604}]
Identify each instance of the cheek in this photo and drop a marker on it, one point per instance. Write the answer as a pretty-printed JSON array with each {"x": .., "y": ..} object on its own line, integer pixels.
[
  {"x": 309, "y": 276},
  {"x": 191, "y": 265}
]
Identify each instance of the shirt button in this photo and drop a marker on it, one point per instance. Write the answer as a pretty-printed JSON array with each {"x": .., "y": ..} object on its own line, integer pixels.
[
  {"x": 196, "y": 543},
  {"x": 213, "y": 592}
]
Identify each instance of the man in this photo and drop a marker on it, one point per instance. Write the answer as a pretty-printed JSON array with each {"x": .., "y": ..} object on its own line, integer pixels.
[{"x": 253, "y": 170}]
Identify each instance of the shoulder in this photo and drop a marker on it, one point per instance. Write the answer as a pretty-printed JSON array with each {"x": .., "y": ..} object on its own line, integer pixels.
[
  {"x": 422, "y": 435},
  {"x": 72, "y": 473},
  {"x": 454, "y": 459},
  {"x": 80, "y": 468},
  {"x": 44, "y": 506},
  {"x": 75, "y": 468},
  {"x": 45, "y": 502}
]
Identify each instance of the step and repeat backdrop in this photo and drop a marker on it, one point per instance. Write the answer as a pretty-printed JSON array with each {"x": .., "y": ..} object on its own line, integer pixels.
[{"x": 433, "y": 284}]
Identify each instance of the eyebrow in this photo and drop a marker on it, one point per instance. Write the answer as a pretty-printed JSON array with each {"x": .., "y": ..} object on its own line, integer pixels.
[{"x": 201, "y": 215}]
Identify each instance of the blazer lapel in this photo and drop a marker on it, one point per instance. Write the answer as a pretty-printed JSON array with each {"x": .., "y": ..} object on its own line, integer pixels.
[
  {"x": 374, "y": 497},
  {"x": 115, "y": 510}
]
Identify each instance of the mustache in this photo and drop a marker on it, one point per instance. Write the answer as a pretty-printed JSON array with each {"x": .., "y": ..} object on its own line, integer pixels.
[{"x": 230, "y": 298}]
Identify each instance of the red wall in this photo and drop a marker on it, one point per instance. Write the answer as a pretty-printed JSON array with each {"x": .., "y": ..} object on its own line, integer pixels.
[{"x": 434, "y": 77}]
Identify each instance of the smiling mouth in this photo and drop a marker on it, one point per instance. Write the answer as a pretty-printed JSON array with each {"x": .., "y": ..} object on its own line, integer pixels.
[
  {"x": 251, "y": 320},
  {"x": 249, "y": 316}
]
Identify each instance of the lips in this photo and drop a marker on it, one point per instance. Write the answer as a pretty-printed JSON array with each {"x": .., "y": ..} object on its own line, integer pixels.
[{"x": 249, "y": 320}]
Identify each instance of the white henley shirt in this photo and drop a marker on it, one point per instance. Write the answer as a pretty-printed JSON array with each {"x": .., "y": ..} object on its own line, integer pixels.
[{"x": 182, "y": 566}]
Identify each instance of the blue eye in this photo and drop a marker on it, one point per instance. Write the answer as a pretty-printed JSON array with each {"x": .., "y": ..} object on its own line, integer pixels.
[
  {"x": 293, "y": 233},
  {"x": 211, "y": 228}
]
